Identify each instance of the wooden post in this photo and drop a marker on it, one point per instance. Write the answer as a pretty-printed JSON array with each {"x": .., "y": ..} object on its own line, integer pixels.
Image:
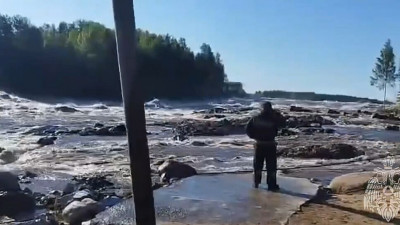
[{"x": 133, "y": 100}]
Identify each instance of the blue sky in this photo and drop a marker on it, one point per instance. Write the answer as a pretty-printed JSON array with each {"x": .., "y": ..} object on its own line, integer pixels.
[{"x": 326, "y": 46}]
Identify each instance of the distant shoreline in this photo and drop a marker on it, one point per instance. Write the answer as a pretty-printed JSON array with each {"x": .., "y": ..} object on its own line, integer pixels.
[{"x": 312, "y": 96}]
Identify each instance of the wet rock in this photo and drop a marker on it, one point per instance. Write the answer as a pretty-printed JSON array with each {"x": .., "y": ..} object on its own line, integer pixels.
[
  {"x": 87, "y": 131},
  {"x": 68, "y": 189},
  {"x": 97, "y": 184},
  {"x": 199, "y": 143},
  {"x": 8, "y": 182},
  {"x": 210, "y": 128},
  {"x": 329, "y": 131},
  {"x": 332, "y": 151},
  {"x": 28, "y": 174},
  {"x": 46, "y": 130},
  {"x": 46, "y": 141},
  {"x": 332, "y": 111},
  {"x": 2, "y": 149},
  {"x": 365, "y": 112},
  {"x": 103, "y": 131},
  {"x": 82, "y": 194},
  {"x": 298, "y": 109},
  {"x": 385, "y": 117},
  {"x": 180, "y": 137},
  {"x": 110, "y": 201},
  {"x": 393, "y": 127},
  {"x": 308, "y": 121},
  {"x": 158, "y": 162},
  {"x": 13, "y": 203},
  {"x": 8, "y": 156},
  {"x": 352, "y": 182},
  {"x": 5, "y": 96},
  {"x": 172, "y": 169},
  {"x": 217, "y": 110},
  {"x": 217, "y": 116},
  {"x": 78, "y": 211},
  {"x": 66, "y": 109},
  {"x": 101, "y": 107},
  {"x": 118, "y": 130},
  {"x": 287, "y": 132},
  {"x": 98, "y": 125}
]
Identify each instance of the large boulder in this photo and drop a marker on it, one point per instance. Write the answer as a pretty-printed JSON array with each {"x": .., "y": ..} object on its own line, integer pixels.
[
  {"x": 332, "y": 151},
  {"x": 13, "y": 203},
  {"x": 79, "y": 211},
  {"x": 171, "y": 169},
  {"x": 7, "y": 156},
  {"x": 9, "y": 181},
  {"x": 352, "y": 182}
]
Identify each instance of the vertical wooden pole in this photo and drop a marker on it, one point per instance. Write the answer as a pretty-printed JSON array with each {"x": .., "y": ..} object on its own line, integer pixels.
[{"x": 133, "y": 100}]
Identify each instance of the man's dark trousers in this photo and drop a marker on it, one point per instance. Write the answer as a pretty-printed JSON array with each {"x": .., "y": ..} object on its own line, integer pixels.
[{"x": 265, "y": 151}]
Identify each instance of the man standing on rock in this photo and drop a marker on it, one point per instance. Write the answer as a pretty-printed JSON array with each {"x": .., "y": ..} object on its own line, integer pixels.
[{"x": 264, "y": 128}]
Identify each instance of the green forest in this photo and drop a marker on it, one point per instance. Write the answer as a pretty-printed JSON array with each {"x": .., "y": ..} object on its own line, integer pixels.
[
  {"x": 313, "y": 96},
  {"x": 78, "y": 60}
]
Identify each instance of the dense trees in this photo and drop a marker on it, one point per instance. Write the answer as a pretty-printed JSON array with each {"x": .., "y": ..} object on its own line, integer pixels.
[
  {"x": 313, "y": 96},
  {"x": 384, "y": 72},
  {"x": 78, "y": 60}
]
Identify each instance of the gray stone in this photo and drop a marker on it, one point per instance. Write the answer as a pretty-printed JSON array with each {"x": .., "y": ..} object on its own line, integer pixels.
[
  {"x": 46, "y": 141},
  {"x": 82, "y": 194},
  {"x": 66, "y": 109},
  {"x": 173, "y": 169},
  {"x": 68, "y": 189},
  {"x": 352, "y": 182},
  {"x": 8, "y": 156},
  {"x": 14, "y": 203},
  {"x": 78, "y": 211},
  {"x": 8, "y": 182}
]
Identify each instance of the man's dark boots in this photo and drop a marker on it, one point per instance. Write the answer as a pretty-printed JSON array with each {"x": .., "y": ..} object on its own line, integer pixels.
[
  {"x": 271, "y": 182},
  {"x": 257, "y": 178}
]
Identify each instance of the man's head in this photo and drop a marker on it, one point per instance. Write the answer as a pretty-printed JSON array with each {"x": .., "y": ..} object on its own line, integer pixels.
[{"x": 267, "y": 108}]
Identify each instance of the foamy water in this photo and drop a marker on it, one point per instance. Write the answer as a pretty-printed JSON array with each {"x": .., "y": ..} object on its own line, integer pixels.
[{"x": 74, "y": 154}]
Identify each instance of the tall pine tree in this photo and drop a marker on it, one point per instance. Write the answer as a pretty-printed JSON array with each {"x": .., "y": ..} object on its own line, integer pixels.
[{"x": 384, "y": 72}]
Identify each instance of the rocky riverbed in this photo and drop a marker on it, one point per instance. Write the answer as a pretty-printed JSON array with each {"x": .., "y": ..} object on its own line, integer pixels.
[{"x": 71, "y": 159}]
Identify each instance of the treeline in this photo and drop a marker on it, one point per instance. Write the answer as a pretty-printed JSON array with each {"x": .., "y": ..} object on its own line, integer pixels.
[
  {"x": 313, "y": 96},
  {"x": 78, "y": 60}
]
